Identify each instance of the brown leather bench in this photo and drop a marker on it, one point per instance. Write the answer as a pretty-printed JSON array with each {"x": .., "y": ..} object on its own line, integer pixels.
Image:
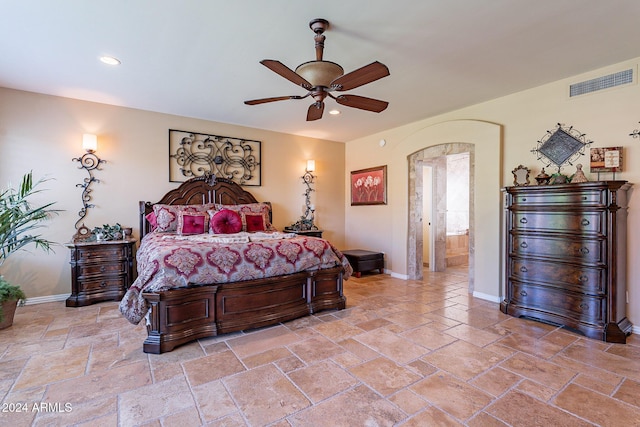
[{"x": 362, "y": 260}]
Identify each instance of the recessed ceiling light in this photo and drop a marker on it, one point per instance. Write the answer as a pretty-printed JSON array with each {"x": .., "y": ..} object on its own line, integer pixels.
[
  {"x": 110, "y": 60},
  {"x": 334, "y": 112}
]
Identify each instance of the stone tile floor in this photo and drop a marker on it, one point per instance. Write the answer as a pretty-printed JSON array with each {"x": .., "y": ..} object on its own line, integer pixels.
[{"x": 404, "y": 353}]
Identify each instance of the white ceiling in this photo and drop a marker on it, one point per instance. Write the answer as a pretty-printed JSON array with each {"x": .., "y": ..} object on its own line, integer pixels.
[{"x": 200, "y": 58}]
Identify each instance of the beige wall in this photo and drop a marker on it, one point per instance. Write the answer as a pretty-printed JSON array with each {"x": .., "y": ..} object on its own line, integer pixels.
[
  {"x": 606, "y": 117},
  {"x": 43, "y": 133}
]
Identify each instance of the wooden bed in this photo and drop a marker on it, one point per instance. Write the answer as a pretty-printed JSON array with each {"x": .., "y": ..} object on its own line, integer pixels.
[{"x": 179, "y": 316}]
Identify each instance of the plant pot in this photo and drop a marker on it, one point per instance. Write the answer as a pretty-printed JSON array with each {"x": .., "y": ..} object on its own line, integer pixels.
[{"x": 8, "y": 311}]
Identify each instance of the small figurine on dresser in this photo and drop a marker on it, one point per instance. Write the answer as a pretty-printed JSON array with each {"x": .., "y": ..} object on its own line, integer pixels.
[
  {"x": 579, "y": 176},
  {"x": 542, "y": 178}
]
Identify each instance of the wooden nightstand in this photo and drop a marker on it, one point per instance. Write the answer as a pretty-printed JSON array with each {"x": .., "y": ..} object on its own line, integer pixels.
[
  {"x": 312, "y": 233},
  {"x": 101, "y": 271}
]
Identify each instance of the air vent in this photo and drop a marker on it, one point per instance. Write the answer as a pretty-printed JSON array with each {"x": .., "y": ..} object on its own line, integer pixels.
[{"x": 600, "y": 83}]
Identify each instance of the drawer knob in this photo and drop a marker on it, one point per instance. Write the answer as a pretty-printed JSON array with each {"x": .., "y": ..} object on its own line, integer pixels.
[
  {"x": 523, "y": 293},
  {"x": 102, "y": 269},
  {"x": 583, "y": 279},
  {"x": 523, "y": 220},
  {"x": 584, "y": 306},
  {"x": 103, "y": 284},
  {"x": 584, "y": 251},
  {"x": 524, "y": 245},
  {"x": 523, "y": 269},
  {"x": 584, "y": 197},
  {"x": 584, "y": 222},
  {"x": 524, "y": 199}
]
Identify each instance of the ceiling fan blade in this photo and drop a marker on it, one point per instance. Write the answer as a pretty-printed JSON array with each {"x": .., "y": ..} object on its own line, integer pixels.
[
  {"x": 264, "y": 100},
  {"x": 275, "y": 98},
  {"x": 315, "y": 111},
  {"x": 362, "y": 102},
  {"x": 367, "y": 74},
  {"x": 286, "y": 72}
]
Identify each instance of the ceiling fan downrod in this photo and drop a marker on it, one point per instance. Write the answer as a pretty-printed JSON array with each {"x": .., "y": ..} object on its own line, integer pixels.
[{"x": 319, "y": 26}]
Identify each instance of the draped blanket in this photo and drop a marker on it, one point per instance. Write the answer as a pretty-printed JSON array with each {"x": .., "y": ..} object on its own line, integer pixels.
[{"x": 167, "y": 260}]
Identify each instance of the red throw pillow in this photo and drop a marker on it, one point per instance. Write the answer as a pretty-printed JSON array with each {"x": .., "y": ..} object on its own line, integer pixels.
[
  {"x": 226, "y": 222},
  {"x": 254, "y": 222},
  {"x": 193, "y": 222},
  {"x": 153, "y": 222}
]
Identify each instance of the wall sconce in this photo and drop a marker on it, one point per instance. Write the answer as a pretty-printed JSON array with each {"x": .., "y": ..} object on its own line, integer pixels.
[
  {"x": 635, "y": 133},
  {"x": 89, "y": 162},
  {"x": 305, "y": 222},
  {"x": 311, "y": 165}
]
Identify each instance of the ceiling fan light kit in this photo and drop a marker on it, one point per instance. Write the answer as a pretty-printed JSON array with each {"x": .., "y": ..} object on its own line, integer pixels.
[{"x": 321, "y": 77}]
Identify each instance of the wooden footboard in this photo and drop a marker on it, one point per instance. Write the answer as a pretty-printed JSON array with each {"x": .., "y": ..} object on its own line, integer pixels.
[{"x": 179, "y": 316}]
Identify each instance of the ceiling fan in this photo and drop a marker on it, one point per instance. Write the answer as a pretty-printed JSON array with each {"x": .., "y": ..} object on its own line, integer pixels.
[{"x": 320, "y": 78}]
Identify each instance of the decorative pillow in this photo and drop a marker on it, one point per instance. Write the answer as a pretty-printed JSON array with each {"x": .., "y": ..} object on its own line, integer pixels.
[
  {"x": 253, "y": 222},
  {"x": 225, "y": 221},
  {"x": 153, "y": 222},
  {"x": 251, "y": 209},
  {"x": 167, "y": 215},
  {"x": 193, "y": 222}
]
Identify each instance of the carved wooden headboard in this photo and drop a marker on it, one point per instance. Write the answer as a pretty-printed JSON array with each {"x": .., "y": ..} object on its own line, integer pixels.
[{"x": 199, "y": 191}]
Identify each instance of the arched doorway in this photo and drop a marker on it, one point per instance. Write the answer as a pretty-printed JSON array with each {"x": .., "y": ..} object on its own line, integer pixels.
[{"x": 435, "y": 157}]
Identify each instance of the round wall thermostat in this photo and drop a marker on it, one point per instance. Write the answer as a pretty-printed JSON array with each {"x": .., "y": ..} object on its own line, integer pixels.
[{"x": 382, "y": 143}]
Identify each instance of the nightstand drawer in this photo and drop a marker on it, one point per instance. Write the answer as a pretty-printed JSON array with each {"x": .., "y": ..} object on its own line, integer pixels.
[
  {"x": 115, "y": 283},
  {"x": 102, "y": 269},
  {"x": 96, "y": 253}
]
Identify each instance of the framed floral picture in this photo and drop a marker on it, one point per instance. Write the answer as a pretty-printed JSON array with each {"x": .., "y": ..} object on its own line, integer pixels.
[{"x": 369, "y": 186}]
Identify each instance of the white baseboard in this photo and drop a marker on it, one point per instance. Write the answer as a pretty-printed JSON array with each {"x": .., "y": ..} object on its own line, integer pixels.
[
  {"x": 46, "y": 298},
  {"x": 398, "y": 276},
  {"x": 486, "y": 297}
]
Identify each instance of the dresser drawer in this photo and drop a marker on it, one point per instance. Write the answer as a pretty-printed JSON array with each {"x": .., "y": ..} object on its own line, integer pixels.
[
  {"x": 567, "y": 197},
  {"x": 589, "y": 280},
  {"x": 589, "y": 251},
  {"x": 579, "y": 307},
  {"x": 103, "y": 284},
  {"x": 560, "y": 222},
  {"x": 97, "y": 253},
  {"x": 102, "y": 269}
]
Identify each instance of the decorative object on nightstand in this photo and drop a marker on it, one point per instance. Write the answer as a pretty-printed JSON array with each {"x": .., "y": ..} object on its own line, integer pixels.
[
  {"x": 101, "y": 271},
  {"x": 305, "y": 223},
  {"x": 561, "y": 146},
  {"x": 89, "y": 161},
  {"x": 108, "y": 232}
]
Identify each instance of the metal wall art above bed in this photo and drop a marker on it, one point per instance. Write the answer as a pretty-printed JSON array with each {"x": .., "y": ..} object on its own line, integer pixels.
[{"x": 195, "y": 154}]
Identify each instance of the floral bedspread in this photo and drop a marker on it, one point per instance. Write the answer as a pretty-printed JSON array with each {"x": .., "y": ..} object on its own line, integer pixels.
[{"x": 168, "y": 260}]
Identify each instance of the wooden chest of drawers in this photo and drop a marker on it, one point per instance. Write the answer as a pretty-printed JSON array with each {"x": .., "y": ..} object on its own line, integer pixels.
[
  {"x": 100, "y": 271},
  {"x": 566, "y": 256}
]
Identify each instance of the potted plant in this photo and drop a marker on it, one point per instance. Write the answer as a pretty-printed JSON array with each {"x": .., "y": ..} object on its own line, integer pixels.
[{"x": 18, "y": 221}]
